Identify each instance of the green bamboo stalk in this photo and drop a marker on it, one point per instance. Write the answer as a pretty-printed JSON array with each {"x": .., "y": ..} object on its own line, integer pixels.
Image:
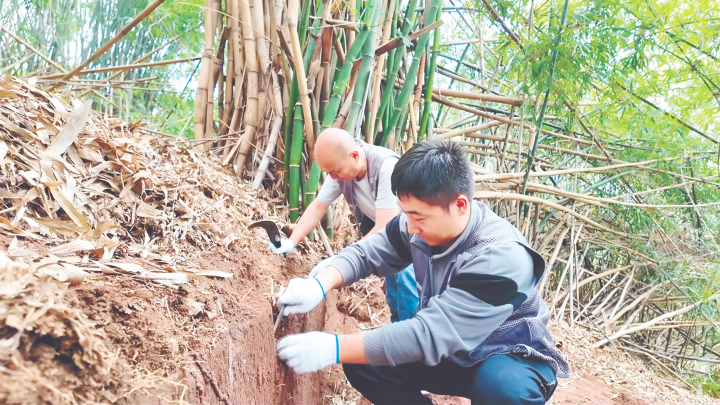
[
  {"x": 372, "y": 13},
  {"x": 294, "y": 90},
  {"x": 429, "y": 87},
  {"x": 408, "y": 87},
  {"x": 295, "y": 160},
  {"x": 393, "y": 69},
  {"x": 342, "y": 80}
]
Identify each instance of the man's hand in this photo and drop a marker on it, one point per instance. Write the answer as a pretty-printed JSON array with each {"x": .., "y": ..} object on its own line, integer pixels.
[
  {"x": 301, "y": 295},
  {"x": 286, "y": 246},
  {"x": 309, "y": 352},
  {"x": 320, "y": 267}
]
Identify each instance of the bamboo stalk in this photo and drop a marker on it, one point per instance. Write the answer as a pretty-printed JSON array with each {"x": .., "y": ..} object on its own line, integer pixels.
[
  {"x": 295, "y": 160},
  {"x": 393, "y": 68},
  {"x": 551, "y": 262},
  {"x": 429, "y": 87},
  {"x": 205, "y": 73},
  {"x": 135, "y": 21},
  {"x": 377, "y": 80},
  {"x": 293, "y": 14},
  {"x": 121, "y": 68},
  {"x": 653, "y": 321},
  {"x": 406, "y": 91},
  {"x": 526, "y": 198},
  {"x": 251, "y": 108},
  {"x": 372, "y": 12}
]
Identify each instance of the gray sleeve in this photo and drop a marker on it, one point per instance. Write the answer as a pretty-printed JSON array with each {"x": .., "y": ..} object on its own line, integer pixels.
[
  {"x": 329, "y": 191},
  {"x": 385, "y": 199},
  {"x": 384, "y": 253},
  {"x": 484, "y": 293}
]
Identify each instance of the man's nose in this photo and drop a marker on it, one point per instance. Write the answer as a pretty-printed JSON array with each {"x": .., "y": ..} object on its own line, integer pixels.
[{"x": 413, "y": 229}]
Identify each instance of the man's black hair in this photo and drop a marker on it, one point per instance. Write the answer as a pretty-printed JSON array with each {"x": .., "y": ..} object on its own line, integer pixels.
[{"x": 435, "y": 172}]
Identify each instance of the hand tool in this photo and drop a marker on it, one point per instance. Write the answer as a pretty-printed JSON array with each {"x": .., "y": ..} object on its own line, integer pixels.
[{"x": 271, "y": 229}]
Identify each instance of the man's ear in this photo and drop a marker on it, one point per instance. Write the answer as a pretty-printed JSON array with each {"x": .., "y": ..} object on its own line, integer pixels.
[
  {"x": 355, "y": 155},
  {"x": 462, "y": 203}
]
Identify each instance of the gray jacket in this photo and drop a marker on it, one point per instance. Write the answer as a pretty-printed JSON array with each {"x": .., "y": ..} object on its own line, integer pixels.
[
  {"x": 376, "y": 156},
  {"x": 477, "y": 299}
]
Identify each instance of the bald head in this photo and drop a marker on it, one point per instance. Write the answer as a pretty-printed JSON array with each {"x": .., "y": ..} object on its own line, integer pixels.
[
  {"x": 337, "y": 154},
  {"x": 335, "y": 141}
]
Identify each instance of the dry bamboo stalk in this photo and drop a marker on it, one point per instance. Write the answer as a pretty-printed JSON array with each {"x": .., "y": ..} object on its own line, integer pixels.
[
  {"x": 35, "y": 51},
  {"x": 251, "y": 109},
  {"x": 621, "y": 299},
  {"x": 205, "y": 73},
  {"x": 603, "y": 274},
  {"x": 473, "y": 95},
  {"x": 541, "y": 146},
  {"x": 551, "y": 262},
  {"x": 225, "y": 117},
  {"x": 520, "y": 197},
  {"x": 450, "y": 103},
  {"x": 398, "y": 41},
  {"x": 215, "y": 70},
  {"x": 505, "y": 176},
  {"x": 465, "y": 80},
  {"x": 325, "y": 240},
  {"x": 269, "y": 150},
  {"x": 274, "y": 133},
  {"x": 293, "y": 14},
  {"x": 135, "y": 21},
  {"x": 654, "y": 321},
  {"x": 261, "y": 45},
  {"x": 57, "y": 77},
  {"x": 638, "y": 300},
  {"x": 140, "y": 59},
  {"x": 597, "y": 294},
  {"x": 56, "y": 66},
  {"x": 468, "y": 130},
  {"x": 604, "y": 302},
  {"x": 379, "y": 73},
  {"x": 238, "y": 78}
]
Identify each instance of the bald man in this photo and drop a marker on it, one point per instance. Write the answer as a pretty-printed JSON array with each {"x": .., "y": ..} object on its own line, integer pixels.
[{"x": 361, "y": 172}]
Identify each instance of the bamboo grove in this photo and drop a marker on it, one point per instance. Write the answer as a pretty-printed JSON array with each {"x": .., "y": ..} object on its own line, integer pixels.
[{"x": 617, "y": 190}]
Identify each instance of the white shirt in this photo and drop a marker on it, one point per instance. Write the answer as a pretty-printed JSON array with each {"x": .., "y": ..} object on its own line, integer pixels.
[{"x": 385, "y": 200}]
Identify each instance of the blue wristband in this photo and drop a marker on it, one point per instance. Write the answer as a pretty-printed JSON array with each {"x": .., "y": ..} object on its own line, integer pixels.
[
  {"x": 321, "y": 287},
  {"x": 337, "y": 350}
]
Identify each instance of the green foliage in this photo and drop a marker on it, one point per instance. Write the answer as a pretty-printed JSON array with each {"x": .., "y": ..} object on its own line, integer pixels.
[{"x": 70, "y": 31}]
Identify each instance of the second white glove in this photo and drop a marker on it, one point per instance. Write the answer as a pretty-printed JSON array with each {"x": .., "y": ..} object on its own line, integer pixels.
[
  {"x": 301, "y": 295},
  {"x": 309, "y": 352}
]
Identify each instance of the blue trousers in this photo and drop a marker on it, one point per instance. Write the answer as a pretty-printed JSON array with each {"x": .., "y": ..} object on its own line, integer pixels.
[
  {"x": 499, "y": 380},
  {"x": 400, "y": 288},
  {"x": 401, "y": 294}
]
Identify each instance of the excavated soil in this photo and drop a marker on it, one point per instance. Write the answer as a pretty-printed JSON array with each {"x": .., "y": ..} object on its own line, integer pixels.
[{"x": 210, "y": 341}]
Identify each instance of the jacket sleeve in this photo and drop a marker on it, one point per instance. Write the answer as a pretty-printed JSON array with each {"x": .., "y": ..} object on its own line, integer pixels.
[
  {"x": 384, "y": 253},
  {"x": 484, "y": 293}
]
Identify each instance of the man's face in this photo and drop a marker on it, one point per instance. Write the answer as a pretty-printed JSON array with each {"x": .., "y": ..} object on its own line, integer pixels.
[
  {"x": 338, "y": 166},
  {"x": 436, "y": 225}
]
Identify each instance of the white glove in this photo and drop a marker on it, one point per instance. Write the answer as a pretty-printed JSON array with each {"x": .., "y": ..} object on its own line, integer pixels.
[
  {"x": 320, "y": 266},
  {"x": 301, "y": 295},
  {"x": 286, "y": 246},
  {"x": 309, "y": 352}
]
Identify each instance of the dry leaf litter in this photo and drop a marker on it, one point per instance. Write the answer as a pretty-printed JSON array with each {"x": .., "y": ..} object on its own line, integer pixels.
[{"x": 88, "y": 198}]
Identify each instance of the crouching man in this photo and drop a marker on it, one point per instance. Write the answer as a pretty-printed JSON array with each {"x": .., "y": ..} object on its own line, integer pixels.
[{"x": 480, "y": 330}]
